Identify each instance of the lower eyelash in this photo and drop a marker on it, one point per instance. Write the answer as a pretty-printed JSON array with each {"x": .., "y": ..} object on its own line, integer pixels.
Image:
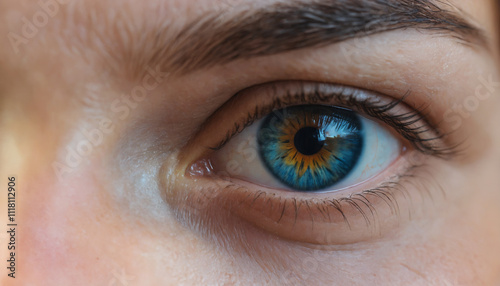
[
  {"x": 390, "y": 193},
  {"x": 223, "y": 206}
]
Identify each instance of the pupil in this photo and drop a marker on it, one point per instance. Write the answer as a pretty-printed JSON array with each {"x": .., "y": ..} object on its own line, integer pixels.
[{"x": 308, "y": 141}]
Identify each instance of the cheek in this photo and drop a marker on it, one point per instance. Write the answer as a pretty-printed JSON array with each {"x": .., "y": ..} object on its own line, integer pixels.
[
  {"x": 465, "y": 239},
  {"x": 67, "y": 232},
  {"x": 75, "y": 231}
]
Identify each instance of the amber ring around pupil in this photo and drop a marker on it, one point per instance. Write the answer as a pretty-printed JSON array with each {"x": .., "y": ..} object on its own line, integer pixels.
[{"x": 310, "y": 147}]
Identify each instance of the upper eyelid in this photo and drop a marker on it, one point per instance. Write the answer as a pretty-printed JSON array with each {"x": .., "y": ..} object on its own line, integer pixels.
[{"x": 344, "y": 95}]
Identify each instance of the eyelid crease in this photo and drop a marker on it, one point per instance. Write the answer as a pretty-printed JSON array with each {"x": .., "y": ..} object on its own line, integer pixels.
[{"x": 403, "y": 123}]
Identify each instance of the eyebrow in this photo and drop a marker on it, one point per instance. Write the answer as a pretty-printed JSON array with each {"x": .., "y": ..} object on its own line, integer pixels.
[{"x": 282, "y": 27}]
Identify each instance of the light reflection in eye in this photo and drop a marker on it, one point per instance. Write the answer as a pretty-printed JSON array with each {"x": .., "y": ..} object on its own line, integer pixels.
[{"x": 309, "y": 148}]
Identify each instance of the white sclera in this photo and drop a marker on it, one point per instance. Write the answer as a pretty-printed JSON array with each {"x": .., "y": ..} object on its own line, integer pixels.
[{"x": 240, "y": 157}]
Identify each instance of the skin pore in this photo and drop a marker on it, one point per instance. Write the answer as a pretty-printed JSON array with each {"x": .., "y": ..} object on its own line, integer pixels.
[{"x": 105, "y": 108}]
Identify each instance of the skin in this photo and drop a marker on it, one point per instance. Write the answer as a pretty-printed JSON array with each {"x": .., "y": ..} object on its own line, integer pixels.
[{"x": 115, "y": 217}]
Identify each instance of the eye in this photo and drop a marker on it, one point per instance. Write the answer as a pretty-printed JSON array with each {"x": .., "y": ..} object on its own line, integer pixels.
[
  {"x": 313, "y": 162},
  {"x": 309, "y": 148}
]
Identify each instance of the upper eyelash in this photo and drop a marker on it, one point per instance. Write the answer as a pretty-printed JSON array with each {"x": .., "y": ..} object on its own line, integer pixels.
[{"x": 402, "y": 123}]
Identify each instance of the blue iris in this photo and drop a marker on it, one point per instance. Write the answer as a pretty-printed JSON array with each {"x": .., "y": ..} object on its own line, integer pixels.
[{"x": 310, "y": 147}]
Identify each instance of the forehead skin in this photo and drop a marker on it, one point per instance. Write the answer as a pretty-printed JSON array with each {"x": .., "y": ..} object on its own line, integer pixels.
[{"x": 63, "y": 77}]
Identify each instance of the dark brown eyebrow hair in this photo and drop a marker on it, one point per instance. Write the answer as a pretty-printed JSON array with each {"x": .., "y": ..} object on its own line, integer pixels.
[{"x": 288, "y": 26}]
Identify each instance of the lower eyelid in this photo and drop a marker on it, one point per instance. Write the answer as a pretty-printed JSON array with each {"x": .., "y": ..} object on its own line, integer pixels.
[{"x": 329, "y": 219}]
